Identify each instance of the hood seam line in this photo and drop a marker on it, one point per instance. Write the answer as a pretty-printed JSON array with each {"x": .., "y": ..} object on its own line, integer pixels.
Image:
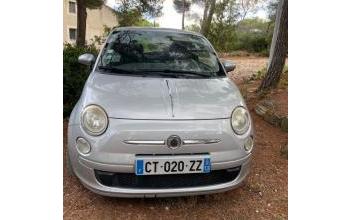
[{"x": 171, "y": 98}]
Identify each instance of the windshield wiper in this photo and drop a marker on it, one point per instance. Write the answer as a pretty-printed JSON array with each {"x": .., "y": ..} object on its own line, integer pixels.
[
  {"x": 118, "y": 70},
  {"x": 176, "y": 73},
  {"x": 137, "y": 72},
  {"x": 154, "y": 72}
]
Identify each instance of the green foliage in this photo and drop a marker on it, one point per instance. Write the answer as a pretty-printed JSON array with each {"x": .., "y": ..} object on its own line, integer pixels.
[
  {"x": 271, "y": 9},
  {"x": 261, "y": 74},
  {"x": 193, "y": 27},
  {"x": 252, "y": 35},
  {"x": 145, "y": 23},
  {"x": 253, "y": 25},
  {"x": 129, "y": 17},
  {"x": 75, "y": 74},
  {"x": 131, "y": 11},
  {"x": 252, "y": 42},
  {"x": 182, "y": 5},
  {"x": 133, "y": 17},
  {"x": 94, "y": 4},
  {"x": 229, "y": 31},
  {"x": 284, "y": 78},
  {"x": 99, "y": 40},
  {"x": 223, "y": 37}
]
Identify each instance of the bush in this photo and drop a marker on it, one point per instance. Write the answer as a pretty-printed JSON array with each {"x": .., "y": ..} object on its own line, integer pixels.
[
  {"x": 75, "y": 74},
  {"x": 253, "y": 42},
  {"x": 262, "y": 72},
  {"x": 259, "y": 75},
  {"x": 223, "y": 37},
  {"x": 284, "y": 78}
]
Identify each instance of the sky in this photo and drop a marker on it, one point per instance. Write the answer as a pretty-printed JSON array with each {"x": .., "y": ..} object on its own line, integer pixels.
[{"x": 172, "y": 19}]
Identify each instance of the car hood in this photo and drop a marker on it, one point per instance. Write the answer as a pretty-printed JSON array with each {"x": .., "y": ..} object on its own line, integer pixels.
[{"x": 136, "y": 97}]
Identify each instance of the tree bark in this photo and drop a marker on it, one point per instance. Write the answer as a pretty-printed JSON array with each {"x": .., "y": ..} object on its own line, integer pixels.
[
  {"x": 278, "y": 49},
  {"x": 205, "y": 15},
  {"x": 183, "y": 15},
  {"x": 81, "y": 23},
  {"x": 207, "y": 22}
]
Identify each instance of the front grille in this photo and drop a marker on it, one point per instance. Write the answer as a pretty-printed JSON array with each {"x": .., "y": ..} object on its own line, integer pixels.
[{"x": 130, "y": 180}]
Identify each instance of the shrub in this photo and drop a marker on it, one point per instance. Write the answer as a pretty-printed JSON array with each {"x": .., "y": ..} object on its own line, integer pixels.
[
  {"x": 261, "y": 74},
  {"x": 75, "y": 74},
  {"x": 253, "y": 42},
  {"x": 223, "y": 37},
  {"x": 284, "y": 78}
]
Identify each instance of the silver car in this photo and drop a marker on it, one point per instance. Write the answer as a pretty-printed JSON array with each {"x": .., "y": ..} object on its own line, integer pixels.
[{"x": 159, "y": 117}]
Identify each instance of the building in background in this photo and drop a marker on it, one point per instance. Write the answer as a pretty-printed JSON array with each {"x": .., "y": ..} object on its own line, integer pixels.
[{"x": 97, "y": 19}]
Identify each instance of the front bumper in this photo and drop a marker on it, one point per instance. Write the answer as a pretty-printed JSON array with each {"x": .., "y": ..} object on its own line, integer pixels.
[
  {"x": 86, "y": 175},
  {"x": 109, "y": 153}
]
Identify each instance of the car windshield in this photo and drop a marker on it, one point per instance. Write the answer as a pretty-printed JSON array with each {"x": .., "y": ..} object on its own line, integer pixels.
[{"x": 149, "y": 52}]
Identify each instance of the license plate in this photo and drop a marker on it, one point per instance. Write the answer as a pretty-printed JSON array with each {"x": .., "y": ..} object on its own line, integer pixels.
[{"x": 172, "y": 165}]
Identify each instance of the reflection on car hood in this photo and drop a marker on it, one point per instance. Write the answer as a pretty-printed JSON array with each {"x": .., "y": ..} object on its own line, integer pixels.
[{"x": 136, "y": 97}]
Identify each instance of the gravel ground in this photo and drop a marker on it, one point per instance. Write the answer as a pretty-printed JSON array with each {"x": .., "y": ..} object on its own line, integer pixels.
[
  {"x": 246, "y": 66},
  {"x": 264, "y": 195}
]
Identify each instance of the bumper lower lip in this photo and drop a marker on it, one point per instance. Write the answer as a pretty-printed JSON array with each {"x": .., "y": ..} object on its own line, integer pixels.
[{"x": 87, "y": 177}]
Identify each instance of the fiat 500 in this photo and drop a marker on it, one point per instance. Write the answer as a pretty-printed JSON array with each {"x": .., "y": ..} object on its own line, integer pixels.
[{"x": 159, "y": 116}]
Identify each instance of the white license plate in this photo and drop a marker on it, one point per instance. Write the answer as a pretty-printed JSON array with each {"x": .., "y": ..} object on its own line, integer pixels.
[{"x": 172, "y": 165}]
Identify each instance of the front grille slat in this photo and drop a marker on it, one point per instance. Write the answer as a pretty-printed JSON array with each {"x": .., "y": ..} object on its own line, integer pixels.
[{"x": 130, "y": 180}]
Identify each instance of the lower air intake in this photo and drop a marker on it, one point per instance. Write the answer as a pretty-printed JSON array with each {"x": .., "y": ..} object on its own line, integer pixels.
[{"x": 130, "y": 180}]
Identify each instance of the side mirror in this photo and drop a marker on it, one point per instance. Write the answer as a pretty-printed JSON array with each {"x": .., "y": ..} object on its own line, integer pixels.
[
  {"x": 86, "y": 59},
  {"x": 228, "y": 65}
]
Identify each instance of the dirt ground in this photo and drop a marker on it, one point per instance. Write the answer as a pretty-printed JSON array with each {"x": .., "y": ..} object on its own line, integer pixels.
[
  {"x": 246, "y": 66},
  {"x": 264, "y": 195}
]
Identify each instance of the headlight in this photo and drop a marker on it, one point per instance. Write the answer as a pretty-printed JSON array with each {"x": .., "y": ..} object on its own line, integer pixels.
[
  {"x": 240, "y": 120},
  {"x": 94, "y": 120}
]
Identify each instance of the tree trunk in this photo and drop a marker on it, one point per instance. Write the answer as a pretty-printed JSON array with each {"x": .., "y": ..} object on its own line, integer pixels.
[
  {"x": 205, "y": 15},
  {"x": 207, "y": 23},
  {"x": 278, "y": 49},
  {"x": 81, "y": 23},
  {"x": 183, "y": 15}
]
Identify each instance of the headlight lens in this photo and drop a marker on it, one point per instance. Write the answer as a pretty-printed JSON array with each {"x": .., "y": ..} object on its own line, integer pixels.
[
  {"x": 240, "y": 120},
  {"x": 94, "y": 120}
]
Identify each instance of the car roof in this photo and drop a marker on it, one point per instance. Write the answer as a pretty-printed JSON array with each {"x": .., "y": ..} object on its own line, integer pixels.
[{"x": 172, "y": 30}]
